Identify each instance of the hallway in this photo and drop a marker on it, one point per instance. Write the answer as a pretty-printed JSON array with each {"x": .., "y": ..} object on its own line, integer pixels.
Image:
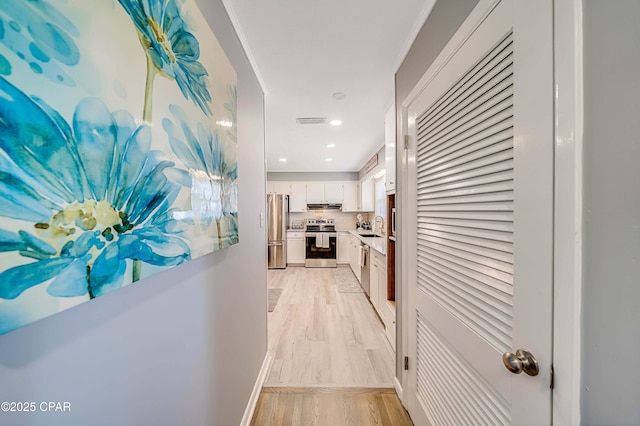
[
  {"x": 332, "y": 363},
  {"x": 321, "y": 337}
]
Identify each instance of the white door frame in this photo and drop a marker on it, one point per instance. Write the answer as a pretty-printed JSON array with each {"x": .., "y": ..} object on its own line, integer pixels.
[
  {"x": 567, "y": 239},
  {"x": 567, "y": 292}
]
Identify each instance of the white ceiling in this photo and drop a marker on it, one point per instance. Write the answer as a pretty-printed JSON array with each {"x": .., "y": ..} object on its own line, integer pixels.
[{"x": 306, "y": 50}]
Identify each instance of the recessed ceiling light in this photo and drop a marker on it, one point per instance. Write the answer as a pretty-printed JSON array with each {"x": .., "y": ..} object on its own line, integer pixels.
[
  {"x": 328, "y": 159},
  {"x": 338, "y": 96},
  {"x": 283, "y": 160},
  {"x": 335, "y": 122},
  {"x": 331, "y": 145}
]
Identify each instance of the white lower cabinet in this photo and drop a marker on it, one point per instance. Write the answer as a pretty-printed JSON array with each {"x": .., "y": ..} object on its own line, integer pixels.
[
  {"x": 344, "y": 248},
  {"x": 295, "y": 248},
  {"x": 378, "y": 280},
  {"x": 374, "y": 287},
  {"x": 390, "y": 324},
  {"x": 352, "y": 254},
  {"x": 354, "y": 257}
]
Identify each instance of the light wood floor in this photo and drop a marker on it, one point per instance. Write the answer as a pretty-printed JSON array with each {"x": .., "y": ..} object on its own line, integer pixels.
[
  {"x": 319, "y": 337},
  {"x": 281, "y": 406}
]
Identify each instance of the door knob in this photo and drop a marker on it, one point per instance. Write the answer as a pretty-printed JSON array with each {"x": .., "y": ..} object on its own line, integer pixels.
[{"x": 520, "y": 361}]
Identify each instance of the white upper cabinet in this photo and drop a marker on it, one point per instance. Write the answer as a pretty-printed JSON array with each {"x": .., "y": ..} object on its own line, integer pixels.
[
  {"x": 279, "y": 187},
  {"x": 303, "y": 193},
  {"x": 315, "y": 192},
  {"x": 390, "y": 149},
  {"x": 282, "y": 188},
  {"x": 351, "y": 199},
  {"x": 298, "y": 197},
  {"x": 321, "y": 192},
  {"x": 367, "y": 202},
  {"x": 333, "y": 192}
]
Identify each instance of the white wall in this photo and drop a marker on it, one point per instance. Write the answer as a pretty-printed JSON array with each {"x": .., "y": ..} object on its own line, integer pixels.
[
  {"x": 183, "y": 347},
  {"x": 611, "y": 293},
  {"x": 380, "y": 153}
]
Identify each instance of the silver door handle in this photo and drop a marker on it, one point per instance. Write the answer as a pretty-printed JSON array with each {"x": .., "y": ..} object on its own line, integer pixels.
[{"x": 521, "y": 361}]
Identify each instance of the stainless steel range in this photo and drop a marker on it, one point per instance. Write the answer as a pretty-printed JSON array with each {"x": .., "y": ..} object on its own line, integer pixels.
[{"x": 321, "y": 243}]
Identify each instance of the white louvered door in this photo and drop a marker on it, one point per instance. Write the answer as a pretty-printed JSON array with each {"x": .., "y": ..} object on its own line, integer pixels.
[{"x": 480, "y": 234}]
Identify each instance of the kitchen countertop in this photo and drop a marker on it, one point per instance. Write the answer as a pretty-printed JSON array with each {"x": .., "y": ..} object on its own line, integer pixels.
[{"x": 379, "y": 244}]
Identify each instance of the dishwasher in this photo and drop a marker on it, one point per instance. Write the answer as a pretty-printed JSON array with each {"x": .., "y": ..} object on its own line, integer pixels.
[{"x": 364, "y": 267}]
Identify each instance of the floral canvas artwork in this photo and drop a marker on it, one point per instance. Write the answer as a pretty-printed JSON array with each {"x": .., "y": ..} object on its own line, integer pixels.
[{"x": 118, "y": 148}]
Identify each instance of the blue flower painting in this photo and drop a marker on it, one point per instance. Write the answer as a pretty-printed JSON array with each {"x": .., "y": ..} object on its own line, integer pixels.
[
  {"x": 171, "y": 49},
  {"x": 38, "y": 34},
  {"x": 96, "y": 191},
  {"x": 112, "y": 203},
  {"x": 211, "y": 171}
]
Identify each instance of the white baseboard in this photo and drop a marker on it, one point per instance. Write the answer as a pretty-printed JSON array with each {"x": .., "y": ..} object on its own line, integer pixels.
[
  {"x": 255, "y": 394},
  {"x": 398, "y": 387}
]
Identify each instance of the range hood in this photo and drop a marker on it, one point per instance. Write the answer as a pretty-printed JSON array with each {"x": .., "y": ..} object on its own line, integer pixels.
[{"x": 324, "y": 206}]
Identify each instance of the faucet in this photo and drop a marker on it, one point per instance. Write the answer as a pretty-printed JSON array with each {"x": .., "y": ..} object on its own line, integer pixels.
[{"x": 375, "y": 220}]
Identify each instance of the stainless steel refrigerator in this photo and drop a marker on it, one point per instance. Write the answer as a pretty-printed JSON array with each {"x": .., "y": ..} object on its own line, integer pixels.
[{"x": 278, "y": 221}]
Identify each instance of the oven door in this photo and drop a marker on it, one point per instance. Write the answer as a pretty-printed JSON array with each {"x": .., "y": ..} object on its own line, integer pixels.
[{"x": 321, "y": 249}]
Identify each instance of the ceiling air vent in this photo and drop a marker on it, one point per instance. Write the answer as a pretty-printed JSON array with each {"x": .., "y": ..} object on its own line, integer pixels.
[{"x": 311, "y": 120}]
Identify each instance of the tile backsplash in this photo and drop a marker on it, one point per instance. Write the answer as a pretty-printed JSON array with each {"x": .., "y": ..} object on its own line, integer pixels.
[{"x": 344, "y": 221}]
